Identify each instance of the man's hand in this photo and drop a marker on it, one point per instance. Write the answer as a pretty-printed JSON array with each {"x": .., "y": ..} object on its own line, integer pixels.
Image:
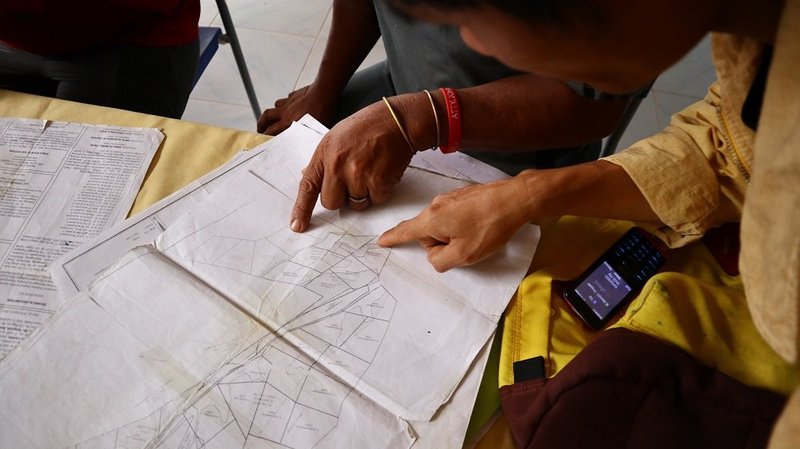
[
  {"x": 357, "y": 163},
  {"x": 467, "y": 225},
  {"x": 287, "y": 110}
]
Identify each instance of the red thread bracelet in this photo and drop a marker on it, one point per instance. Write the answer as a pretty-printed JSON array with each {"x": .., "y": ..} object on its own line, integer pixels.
[{"x": 453, "y": 121}]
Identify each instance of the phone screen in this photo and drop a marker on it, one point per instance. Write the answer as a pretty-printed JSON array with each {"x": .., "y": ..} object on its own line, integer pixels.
[
  {"x": 614, "y": 278},
  {"x": 603, "y": 289}
]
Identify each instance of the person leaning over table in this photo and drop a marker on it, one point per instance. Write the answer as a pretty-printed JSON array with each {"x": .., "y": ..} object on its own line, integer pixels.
[
  {"x": 733, "y": 156},
  {"x": 139, "y": 55},
  {"x": 537, "y": 113}
]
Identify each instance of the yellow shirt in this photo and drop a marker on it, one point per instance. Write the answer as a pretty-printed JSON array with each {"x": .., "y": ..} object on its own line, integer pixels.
[{"x": 698, "y": 172}]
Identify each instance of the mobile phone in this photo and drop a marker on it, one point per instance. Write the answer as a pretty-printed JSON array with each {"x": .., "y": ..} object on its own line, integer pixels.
[{"x": 615, "y": 278}]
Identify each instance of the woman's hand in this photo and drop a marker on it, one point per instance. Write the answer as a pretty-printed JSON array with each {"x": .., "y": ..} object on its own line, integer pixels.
[{"x": 467, "y": 225}]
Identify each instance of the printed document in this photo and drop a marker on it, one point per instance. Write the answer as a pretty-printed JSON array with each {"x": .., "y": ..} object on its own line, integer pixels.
[{"x": 61, "y": 184}]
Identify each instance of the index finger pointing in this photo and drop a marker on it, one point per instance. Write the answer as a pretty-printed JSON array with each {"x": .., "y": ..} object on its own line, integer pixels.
[
  {"x": 405, "y": 231},
  {"x": 307, "y": 194}
]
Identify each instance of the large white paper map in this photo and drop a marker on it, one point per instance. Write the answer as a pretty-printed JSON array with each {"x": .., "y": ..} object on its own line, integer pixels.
[
  {"x": 270, "y": 394},
  {"x": 234, "y": 332}
]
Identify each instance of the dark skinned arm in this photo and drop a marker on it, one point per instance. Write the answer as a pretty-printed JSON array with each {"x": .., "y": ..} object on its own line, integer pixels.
[
  {"x": 354, "y": 31},
  {"x": 365, "y": 155}
]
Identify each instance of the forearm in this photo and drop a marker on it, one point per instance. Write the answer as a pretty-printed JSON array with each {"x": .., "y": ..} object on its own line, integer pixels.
[
  {"x": 521, "y": 113},
  {"x": 354, "y": 31},
  {"x": 596, "y": 189},
  {"x": 465, "y": 226},
  {"x": 528, "y": 112}
]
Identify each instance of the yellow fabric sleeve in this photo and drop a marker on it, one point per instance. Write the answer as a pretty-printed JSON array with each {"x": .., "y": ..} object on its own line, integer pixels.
[{"x": 689, "y": 173}]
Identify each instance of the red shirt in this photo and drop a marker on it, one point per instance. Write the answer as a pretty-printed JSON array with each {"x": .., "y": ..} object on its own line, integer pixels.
[{"x": 67, "y": 26}]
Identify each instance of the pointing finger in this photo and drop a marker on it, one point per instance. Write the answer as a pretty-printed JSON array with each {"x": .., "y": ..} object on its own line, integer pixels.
[
  {"x": 307, "y": 194},
  {"x": 406, "y": 231}
]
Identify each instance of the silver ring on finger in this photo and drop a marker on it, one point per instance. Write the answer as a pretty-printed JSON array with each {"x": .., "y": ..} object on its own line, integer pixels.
[{"x": 359, "y": 199}]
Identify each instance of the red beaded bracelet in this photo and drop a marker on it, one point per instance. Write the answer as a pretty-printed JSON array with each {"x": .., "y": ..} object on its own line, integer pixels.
[{"x": 453, "y": 121}]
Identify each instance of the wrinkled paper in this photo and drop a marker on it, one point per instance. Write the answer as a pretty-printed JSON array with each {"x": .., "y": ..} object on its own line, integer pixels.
[{"x": 232, "y": 331}]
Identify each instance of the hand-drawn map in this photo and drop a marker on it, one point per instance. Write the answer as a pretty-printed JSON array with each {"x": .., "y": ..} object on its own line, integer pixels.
[
  {"x": 233, "y": 332},
  {"x": 270, "y": 394}
]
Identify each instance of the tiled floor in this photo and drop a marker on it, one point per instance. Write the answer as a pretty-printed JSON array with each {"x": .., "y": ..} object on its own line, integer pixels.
[{"x": 283, "y": 40}]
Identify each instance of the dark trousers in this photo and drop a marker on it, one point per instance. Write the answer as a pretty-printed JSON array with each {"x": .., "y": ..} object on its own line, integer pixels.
[{"x": 152, "y": 80}]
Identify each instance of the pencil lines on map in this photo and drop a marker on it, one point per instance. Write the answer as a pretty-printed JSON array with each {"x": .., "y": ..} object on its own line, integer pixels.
[{"x": 288, "y": 387}]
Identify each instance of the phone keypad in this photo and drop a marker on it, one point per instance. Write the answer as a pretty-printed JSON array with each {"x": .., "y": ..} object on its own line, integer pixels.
[{"x": 637, "y": 258}]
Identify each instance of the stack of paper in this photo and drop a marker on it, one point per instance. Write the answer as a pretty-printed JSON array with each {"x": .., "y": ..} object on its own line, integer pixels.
[
  {"x": 61, "y": 184},
  {"x": 231, "y": 331}
]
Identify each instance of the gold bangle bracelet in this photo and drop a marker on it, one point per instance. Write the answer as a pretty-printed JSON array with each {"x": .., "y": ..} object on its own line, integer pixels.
[
  {"x": 435, "y": 118},
  {"x": 399, "y": 126}
]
